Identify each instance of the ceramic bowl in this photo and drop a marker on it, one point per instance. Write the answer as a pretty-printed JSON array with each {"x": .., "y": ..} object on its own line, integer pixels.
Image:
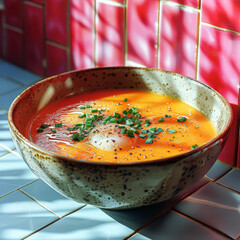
[{"x": 123, "y": 185}]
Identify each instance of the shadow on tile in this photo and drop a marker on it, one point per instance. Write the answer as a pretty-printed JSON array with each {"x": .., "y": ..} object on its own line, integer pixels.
[{"x": 136, "y": 218}]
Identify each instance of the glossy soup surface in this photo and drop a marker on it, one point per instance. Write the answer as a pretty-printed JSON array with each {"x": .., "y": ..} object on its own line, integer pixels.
[{"x": 120, "y": 126}]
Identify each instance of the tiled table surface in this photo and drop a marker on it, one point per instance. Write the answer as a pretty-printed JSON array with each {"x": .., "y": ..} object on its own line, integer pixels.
[{"x": 29, "y": 209}]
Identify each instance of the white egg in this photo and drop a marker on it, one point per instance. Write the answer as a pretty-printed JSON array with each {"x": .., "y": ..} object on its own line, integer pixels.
[{"x": 109, "y": 137}]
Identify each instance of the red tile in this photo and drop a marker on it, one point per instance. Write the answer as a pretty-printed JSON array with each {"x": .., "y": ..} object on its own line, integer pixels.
[
  {"x": 82, "y": 38},
  {"x": 120, "y": 1},
  {"x": 56, "y": 19},
  {"x": 191, "y": 3},
  {"x": 110, "y": 35},
  {"x": 222, "y": 13},
  {"x": 14, "y": 47},
  {"x": 178, "y": 40},
  {"x": 56, "y": 60},
  {"x": 37, "y": 1},
  {"x": 1, "y": 36},
  {"x": 219, "y": 68},
  {"x": 34, "y": 45},
  {"x": 142, "y": 18},
  {"x": 14, "y": 12},
  {"x": 238, "y": 156}
]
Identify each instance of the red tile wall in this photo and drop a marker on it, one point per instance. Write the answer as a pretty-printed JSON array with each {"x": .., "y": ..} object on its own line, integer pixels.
[
  {"x": 34, "y": 38},
  {"x": 142, "y": 18},
  {"x": 14, "y": 12},
  {"x": 14, "y": 47},
  {"x": 82, "y": 34},
  {"x": 191, "y": 3},
  {"x": 52, "y": 36},
  {"x": 178, "y": 40},
  {"x": 56, "y": 59},
  {"x": 222, "y": 13},
  {"x": 110, "y": 36},
  {"x": 56, "y": 19},
  {"x": 219, "y": 69}
]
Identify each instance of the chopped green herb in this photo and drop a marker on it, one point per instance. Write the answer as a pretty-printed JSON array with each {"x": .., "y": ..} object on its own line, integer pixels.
[
  {"x": 129, "y": 122},
  {"x": 94, "y": 110},
  {"x": 142, "y": 136},
  {"x": 88, "y": 125},
  {"x": 149, "y": 140},
  {"x": 89, "y": 120},
  {"x": 113, "y": 120},
  {"x": 130, "y": 111},
  {"x": 88, "y": 106},
  {"x": 172, "y": 131},
  {"x": 167, "y": 115},
  {"x": 44, "y": 125},
  {"x": 123, "y": 130},
  {"x": 117, "y": 115},
  {"x": 82, "y": 107},
  {"x": 138, "y": 115},
  {"x": 103, "y": 109},
  {"x": 130, "y": 133},
  {"x": 182, "y": 119},
  {"x": 125, "y": 99},
  {"x": 158, "y": 130},
  {"x": 53, "y": 130},
  {"x": 75, "y": 136},
  {"x": 58, "y": 125},
  {"x": 144, "y": 131},
  {"x": 161, "y": 119},
  {"x": 121, "y": 126},
  {"x": 147, "y": 123},
  {"x": 88, "y": 114},
  {"x": 153, "y": 129},
  {"x": 82, "y": 115},
  {"x": 124, "y": 112},
  {"x": 40, "y": 129},
  {"x": 194, "y": 146},
  {"x": 122, "y": 120},
  {"x": 134, "y": 130},
  {"x": 73, "y": 128},
  {"x": 95, "y": 117}
]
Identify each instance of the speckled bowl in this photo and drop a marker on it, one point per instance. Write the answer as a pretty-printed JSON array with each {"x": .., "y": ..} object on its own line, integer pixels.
[{"x": 123, "y": 185}]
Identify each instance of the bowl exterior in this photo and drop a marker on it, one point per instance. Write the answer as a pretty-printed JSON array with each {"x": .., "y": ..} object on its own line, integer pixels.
[{"x": 118, "y": 186}]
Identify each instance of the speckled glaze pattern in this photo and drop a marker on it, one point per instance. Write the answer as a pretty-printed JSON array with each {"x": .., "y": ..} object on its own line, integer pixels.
[{"x": 125, "y": 185}]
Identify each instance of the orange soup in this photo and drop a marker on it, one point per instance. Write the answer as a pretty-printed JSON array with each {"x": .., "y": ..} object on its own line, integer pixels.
[{"x": 120, "y": 126}]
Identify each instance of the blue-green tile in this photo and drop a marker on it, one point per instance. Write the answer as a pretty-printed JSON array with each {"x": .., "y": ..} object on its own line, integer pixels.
[
  {"x": 217, "y": 170},
  {"x": 173, "y": 226},
  {"x": 20, "y": 216},
  {"x": 14, "y": 173},
  {"x": 231, "y": 180},
  {"x": 88, "y": 223},
  {"x": 50, "y": 198},
  {"x": 215, "y": 206}
]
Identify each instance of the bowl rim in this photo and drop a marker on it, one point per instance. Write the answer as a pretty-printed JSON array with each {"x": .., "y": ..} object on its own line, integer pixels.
[{"x": 161, "y": 161}]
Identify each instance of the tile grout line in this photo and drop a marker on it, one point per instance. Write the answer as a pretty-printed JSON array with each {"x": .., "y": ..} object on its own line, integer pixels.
[
  {"x": 202, "y": 223},
  {"x": 47, "y": 225},
  {"x": 112, "y": 3},
  {"x": 35, "y": 200},
  {"x": 125, "y": 33},
  {"x": 160, "y": 7},
  {"x": 228, "y": 188},
  {"x": 15, "y": 190},
  {"x": 95, "y": 22},
  {"x": 163, "y": 212},
  {"x": 182, "y": 6},
  {"x": 199, "y": 27},
  {"x": 220, "y": 28}
]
